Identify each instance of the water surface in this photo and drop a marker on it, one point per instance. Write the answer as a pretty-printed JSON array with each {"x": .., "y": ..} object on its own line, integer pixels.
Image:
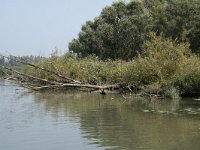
[{"x": 71, "y": 120}]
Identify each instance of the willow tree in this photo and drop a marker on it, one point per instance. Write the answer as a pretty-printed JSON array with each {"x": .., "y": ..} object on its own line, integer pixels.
[
  {"x": 178, "y": 19},
  {"x": 118, "y": 32}
]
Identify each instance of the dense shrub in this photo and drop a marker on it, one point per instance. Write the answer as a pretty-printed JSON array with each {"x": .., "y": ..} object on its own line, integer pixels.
[{"x": 163, "y": 63}]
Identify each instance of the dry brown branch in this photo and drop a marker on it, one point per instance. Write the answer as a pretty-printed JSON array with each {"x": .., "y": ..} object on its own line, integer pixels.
[
  {"x": 16, "y": 59},
  {"x": 30, "y": 76},
  {"x": 96, "y": 87},
  {"x": 56, "y": 85}
]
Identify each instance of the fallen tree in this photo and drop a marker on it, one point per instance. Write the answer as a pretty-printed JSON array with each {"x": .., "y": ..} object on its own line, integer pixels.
[
  {"x": 16, "y": 59},
  {"x": 91, "y": 74},
  {"x": 37, "y": 83}
]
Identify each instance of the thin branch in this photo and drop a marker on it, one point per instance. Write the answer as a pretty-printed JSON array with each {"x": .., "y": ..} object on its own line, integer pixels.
[
  {"x": 29, "y": 76},
  {"x": 42, "y": 68}
]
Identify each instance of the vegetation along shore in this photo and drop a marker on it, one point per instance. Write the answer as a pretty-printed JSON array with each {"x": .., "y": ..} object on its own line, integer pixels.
[{"x": 137, "y": 46}]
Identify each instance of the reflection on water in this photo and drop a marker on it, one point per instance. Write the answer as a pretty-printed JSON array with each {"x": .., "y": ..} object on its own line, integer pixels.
[{"x": 71, "y": 120}]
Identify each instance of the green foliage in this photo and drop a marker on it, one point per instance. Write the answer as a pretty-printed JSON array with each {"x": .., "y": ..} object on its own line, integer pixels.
[
  {"x": 163, "y": 63},
  {"x": 117, "y": 33},
  {"x": 116, "y": 47},
  {"x": 1, "y": 73},
  {"x": 178, "y": 19},
  {"x": 88, "y": 70},
  {"x": 120, "y": 30},
  {"x": 189, "y": 83},
  {"x": 160, "y": 62},
  {"x": 172, "y": 93}
]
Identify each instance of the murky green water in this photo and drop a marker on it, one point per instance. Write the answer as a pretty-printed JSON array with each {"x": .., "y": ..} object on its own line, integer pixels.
[{"x": 89, "y": 121}]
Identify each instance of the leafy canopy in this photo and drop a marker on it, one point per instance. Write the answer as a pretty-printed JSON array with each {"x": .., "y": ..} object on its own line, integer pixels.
[
  {"x": 118, "y": 32},
  {"x": 121, "y": 29}
]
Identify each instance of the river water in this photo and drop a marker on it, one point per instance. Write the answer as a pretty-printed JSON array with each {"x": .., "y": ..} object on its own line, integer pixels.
[{"x": 90, "y": 121}]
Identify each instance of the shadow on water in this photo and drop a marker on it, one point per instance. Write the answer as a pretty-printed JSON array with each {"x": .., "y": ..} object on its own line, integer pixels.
[{"x": 113, "y": 123}]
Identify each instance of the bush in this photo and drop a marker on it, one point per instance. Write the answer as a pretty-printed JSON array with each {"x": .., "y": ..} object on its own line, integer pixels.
[{"x": 161, "y": 61}]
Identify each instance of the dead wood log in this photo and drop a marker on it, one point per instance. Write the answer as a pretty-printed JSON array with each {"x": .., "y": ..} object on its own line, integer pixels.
[
  {"x": 56, "y": 85},
  {"x": 42, "y": 68},
  {"x": 30, "y": 76},
  {"x": 96, "y": 87}
]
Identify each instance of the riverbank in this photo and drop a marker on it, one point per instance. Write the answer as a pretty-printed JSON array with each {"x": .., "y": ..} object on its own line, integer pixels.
[{"x": 165, "y": 67}]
